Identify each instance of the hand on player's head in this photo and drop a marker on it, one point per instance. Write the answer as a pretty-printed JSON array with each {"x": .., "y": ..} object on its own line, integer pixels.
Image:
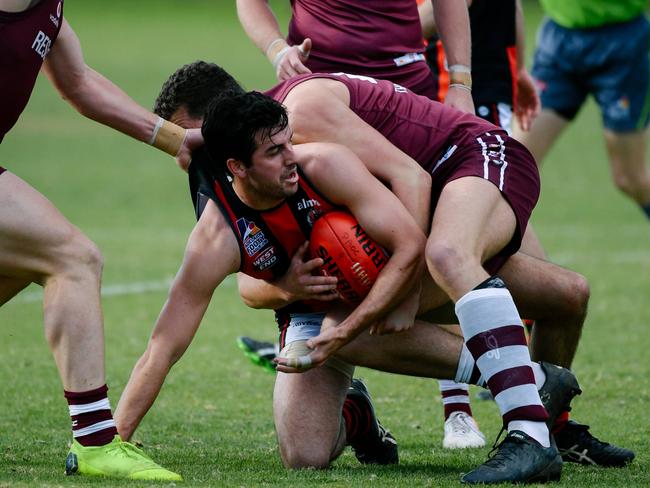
[{"x": 193, "y": 140}]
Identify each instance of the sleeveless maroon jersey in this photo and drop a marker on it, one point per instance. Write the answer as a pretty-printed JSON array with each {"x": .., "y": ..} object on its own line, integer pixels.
[
  {"x": 377, "y": 38},
  {"x": 356, "y": 32},
  {"x": 420, "y": 127},
  {"x": 25, "y": 39},
  {"x": 267, "y": 239}
]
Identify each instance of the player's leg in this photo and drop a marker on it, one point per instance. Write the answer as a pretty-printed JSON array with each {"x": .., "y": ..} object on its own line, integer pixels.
[
  {"x": 556, "y": 298},
  {"x": 307, "y": 409},
  {"x": 621, "y": 86},
  {"x": 464, "y": 233},
  {"x": 630, "y": 172},
  {"x": 430, "y": 351},
  {"x": 37, "y": 244},
  {"x": 340, "y": 415}
]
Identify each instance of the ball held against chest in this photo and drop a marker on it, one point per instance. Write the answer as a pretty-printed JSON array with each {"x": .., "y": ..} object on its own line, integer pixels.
[{"x": 348, "y": 253}]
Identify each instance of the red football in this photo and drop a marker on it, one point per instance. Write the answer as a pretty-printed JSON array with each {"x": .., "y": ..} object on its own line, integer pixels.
[{"x": 348, "y": 253}]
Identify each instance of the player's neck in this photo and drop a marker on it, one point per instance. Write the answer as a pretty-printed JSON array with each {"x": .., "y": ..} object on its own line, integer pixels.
[
  {"x": 17, "y": 5},
  {"x": 253, "y": 198}
]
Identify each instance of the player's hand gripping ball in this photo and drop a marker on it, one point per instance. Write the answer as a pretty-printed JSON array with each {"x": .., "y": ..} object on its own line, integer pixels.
[{"x": 348, "y": 253}]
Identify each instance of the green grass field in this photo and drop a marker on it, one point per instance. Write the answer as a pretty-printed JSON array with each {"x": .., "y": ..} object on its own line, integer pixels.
[{"x": 213, "y": 420}]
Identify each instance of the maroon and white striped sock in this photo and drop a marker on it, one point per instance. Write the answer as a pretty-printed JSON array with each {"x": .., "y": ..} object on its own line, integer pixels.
[
  {"x": 455, "y": 397},
  {"x": 494, "y": 335},
  {"x": 92, "y": 420}
]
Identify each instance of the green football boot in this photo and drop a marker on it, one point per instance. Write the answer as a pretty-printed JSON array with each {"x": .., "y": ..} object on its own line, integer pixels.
[
  {"x": 117, "y": 459},
  {"x": 260, "y": 353}
]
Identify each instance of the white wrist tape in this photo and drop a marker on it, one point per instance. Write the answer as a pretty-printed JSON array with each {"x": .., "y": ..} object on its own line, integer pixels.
[
  {"x": 271, "y": 44},
  {"x": 159, "y": 124},
  {"x": 278, "y": 57},
  {"x": 459, "y": 68}
]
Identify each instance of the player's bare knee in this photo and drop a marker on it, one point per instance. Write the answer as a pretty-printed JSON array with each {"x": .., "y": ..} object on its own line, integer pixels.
[
  {"x": 578, "y": 298},
  {"x": 295, "y": 458},
  {"x": 633, "y": 187},
  {"x": 445, "y": 261},
  {"x": 82, "y": 257}
]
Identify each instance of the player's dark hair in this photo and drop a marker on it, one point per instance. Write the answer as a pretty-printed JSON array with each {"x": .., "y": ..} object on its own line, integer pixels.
[
  {"x": 193, "y": 86},
  {"x": 234, "y": 119}
]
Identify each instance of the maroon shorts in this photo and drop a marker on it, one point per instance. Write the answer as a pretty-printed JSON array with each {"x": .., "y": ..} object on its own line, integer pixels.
[
  {"x": 2, "y": 170},
  {"x": 500, "y": 159}
]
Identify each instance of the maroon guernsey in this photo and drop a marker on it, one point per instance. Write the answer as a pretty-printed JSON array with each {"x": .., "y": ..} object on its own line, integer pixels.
[
  {"x": 420, "y": 127},
  {"x": 377, "y": 38},
  {"x": 25, "y": 39}
]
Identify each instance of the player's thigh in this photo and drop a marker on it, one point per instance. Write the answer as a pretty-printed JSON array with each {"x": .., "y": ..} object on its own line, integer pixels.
[
  {"x": 472, "y": 217},
  {"x": 34, "y": 235},
  {"x": 307, "y": 411},
  {"x": 531, "y": 245}
]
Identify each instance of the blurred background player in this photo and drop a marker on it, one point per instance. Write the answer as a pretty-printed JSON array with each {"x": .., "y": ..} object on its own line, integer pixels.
[
  {"x": 501, "y": 85},
  {"x": 38, "y": 244},
  {"x": 598, "y": 48},
  {"x": 364, "y": 37}
]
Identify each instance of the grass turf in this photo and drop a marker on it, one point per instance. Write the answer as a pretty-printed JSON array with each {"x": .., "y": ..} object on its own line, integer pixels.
[{"x": 212, "y": 421}]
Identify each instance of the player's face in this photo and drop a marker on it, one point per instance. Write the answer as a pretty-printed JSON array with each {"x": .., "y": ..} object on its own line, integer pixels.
[
  {"x": 182, "y": 118},
  {"x": 273, "y": 173}
]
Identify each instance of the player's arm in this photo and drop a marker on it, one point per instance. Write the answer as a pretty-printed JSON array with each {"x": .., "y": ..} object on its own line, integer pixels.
[
  {"x": 527, "y": 105},
  {"x": 211, "y": 255},
  {"x": 262, "y": 28},
  {"x": 427, "y": 20},
  {"x": 319, "y": 112},
  {"x": 452, "y": 21},
  {"x": 99, "y": 99},
  {"x": 344, "y": 180},
  {"x": 300, "y": 282}
]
